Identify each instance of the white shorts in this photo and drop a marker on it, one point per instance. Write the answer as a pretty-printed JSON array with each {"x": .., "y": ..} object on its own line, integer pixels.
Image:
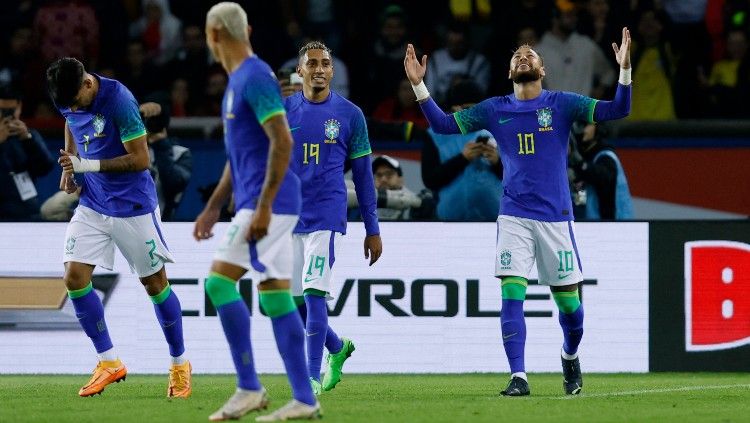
[
  {"x": 269, "y": 258},
  {"x": 553, "y": 244},
  {"x": 314, "y": 255},
  {"x": 91, "y": 238}
]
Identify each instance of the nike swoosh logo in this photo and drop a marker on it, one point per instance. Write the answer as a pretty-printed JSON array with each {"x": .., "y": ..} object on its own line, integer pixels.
[
  {"x": 310, "y": 280},
  {"x": 504, "y": 121},
  {"x": 511, "y": 335},
  {"x": 560, "y": 277},
  {"x": 312, "y": 334},
  {"x": 294, "y": 129}
]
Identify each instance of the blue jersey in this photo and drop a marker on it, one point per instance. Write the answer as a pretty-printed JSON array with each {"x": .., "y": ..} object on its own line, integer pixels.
[
  {"x": 252, "y": 97},
  {"x": 326, "y": 134},
  {"x": 99, "y": 131},
  {"x": 532, "y": 138}
]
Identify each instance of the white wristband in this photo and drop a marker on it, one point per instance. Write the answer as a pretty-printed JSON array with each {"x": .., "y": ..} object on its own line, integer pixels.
[
  {"x": 421, "y": 91},
  {"x": 625, "y": 76},
  {"x": 84, "y": 165}
]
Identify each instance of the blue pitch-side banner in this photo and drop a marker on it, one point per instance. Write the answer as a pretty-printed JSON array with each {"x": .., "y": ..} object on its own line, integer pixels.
[{"x": 431, "y": 298}]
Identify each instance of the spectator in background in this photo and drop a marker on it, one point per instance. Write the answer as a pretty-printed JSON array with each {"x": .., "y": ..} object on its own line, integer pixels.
[
  {"x": 598, "y": 23},
  {"x": 401, "y": 107},
  {"x": 68, "y": 28},
  {"x": 578, "y": 65},
  {"x": 386, "y": 63},
  {"x": 597, "y": 171},
  {"x": 653, "y": 68},
  {"x": 171, "y": 163},
  {"x": 179, "y": 98},
  {"x": 463, "y": 170},
  {"x": 214, "y": 93},
  {"x": 23, "y": 158},
  {"x": 159, "y": 30},
  {"x": 726, "y": 100},
  {"x": 20, "y": 64},
  {"x": 139, "y": 73},
  {"x": 192, "y": 62},
  {"x": 456, "y": 61},
  {"x": 395, "y": 201}
]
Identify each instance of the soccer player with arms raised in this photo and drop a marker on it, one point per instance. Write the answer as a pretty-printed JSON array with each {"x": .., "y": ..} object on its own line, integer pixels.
[
  {"x": 259, "y": 239},
  {"x": 535, "y": 222},
  {"x": 328, "y": 130},
  {"x": 105, "y": 141}
]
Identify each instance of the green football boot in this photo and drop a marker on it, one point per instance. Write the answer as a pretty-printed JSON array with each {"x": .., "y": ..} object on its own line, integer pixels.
[
  {"x": 336, "y": 364},
  {"x": 316, "y": 387}
]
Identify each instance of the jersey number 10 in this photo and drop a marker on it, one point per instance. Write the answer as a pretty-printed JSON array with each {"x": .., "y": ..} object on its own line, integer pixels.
[
  {"x": 526, "y": 143},
  {"x": 311, "y": 150}
]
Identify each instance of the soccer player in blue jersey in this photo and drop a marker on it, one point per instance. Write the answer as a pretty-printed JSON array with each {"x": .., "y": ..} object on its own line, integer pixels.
[
  {"x": 259, "y": 239},
  {"x": 328, "y": 130},
  {"x": 531, "y": 127},
  {"x": 105, "y": 141}
]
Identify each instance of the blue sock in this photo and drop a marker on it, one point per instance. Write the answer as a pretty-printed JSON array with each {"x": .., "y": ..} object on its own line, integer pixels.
[
  {"x": 235, "y": 319},
  {"x": 290, "y": 336},
  {"x": 514, "y": 334},
  {"x": 334, "y": 344},
  {"x": 169, "y": 313},
  {"x": 90, "y": 314},
  {"x": 572, "y": 325},
  {"x": 316, "y": 328}
]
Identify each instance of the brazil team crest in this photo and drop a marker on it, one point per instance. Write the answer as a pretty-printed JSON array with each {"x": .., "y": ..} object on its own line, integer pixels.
[
  {"x": 332, "y": 127},
  {"x": 505, "y": 258},
  {"x": 98, "y": 123},
  {"x": 544, "y": 117}
]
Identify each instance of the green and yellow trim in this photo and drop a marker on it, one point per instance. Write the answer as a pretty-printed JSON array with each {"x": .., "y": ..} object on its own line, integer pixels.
[
  {"x": 460, "y": 125},
  {"x": 78, "y": 293},
  {"x": 592, "y": 106},
  {"x": 134, "y": 136},
  {"x": 162, "y": 296},
  {"x": 360, "y": 154},
  {"x": 263, "y": 119}
]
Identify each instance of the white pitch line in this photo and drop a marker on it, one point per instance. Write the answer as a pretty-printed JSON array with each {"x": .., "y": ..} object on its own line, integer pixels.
[{"x": 655, "y": 391}]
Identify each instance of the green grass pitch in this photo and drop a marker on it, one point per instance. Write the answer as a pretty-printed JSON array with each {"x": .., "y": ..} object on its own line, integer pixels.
[{"x": 661, "y": 397}]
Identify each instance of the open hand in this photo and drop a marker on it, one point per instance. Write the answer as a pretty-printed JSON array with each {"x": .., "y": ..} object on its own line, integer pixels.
[
  {"x": 622, "y": 54},
  {"x": 414, "y": 70}
]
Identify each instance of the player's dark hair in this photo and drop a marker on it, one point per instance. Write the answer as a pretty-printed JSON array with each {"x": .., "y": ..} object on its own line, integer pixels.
[
  {"x": 529, "y": 46},
  {"x": 313, "y": 45},
  {"x": 64, "y": 80}
]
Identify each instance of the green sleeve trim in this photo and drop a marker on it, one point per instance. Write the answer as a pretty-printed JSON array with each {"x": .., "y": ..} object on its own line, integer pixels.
[
  {"x": 591, "y": 111},
  {"x": 361, "y": 154},
  {"x": 162, "y": 296},
  {"x": 134, "y": 136},
  {"x": 271, "y": 114},
  {"x": 460, "y": 126},
  {"x": 315, "y": 292},
  {"x": 78, "y": 293}
]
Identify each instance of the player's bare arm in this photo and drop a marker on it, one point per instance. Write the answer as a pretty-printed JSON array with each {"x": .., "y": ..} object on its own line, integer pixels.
[
  {"x": 205, "y": 221},
  {"x": 279, "y": 151},
  {"x": 67, "y": 183},
  {"x": 136, "y": 159}
]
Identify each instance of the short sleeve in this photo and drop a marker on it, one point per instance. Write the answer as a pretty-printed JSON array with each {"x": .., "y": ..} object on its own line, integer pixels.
[
  {"x": 580, "y": 107},
  {"x": 474, "y": 118},
  {"x": 127, "y": 117},
  {"x": 359, "y": 144},
  {"x": 263, "y": 94}
]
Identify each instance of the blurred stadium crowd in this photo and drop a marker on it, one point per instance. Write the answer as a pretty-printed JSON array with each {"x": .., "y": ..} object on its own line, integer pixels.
[{"x": 690, "y": 61}]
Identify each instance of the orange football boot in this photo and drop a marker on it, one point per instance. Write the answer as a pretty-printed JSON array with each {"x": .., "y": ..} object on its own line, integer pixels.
[
  {"x": 180, "y": 385},
  {"x": 106, "y": 372}
]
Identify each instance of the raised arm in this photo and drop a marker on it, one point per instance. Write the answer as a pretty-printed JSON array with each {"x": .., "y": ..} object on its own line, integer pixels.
[
  {"x": 620, "y": 106},
  {"x": 440, "y": 122}
]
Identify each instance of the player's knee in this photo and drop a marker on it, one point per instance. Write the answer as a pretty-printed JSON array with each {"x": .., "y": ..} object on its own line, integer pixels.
[
  {"x": 75, "y": 278},
  {"x": 221, "y": 289},
  {"x": 567, "y": 302}
]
